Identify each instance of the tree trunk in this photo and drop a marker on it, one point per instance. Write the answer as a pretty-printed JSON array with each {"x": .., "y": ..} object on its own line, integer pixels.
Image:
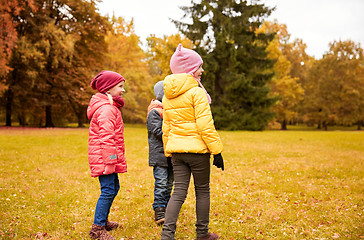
[
  {"x": 49, "y": 122},
  {"x": 360, "y": 123},
  {"x": 9, "y": 103},
  {"x": 80, "y": 118},
  {"x": 324, "y": 125},
  {"x": 284, "y": 125},
  {"x": 78, "y": 110},
  {"x": 80, "y": 123},
  {"x": 21, "y": 119}
]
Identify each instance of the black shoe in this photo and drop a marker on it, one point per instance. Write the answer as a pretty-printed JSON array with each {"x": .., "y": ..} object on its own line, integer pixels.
[{"x": 159, "y": 215}]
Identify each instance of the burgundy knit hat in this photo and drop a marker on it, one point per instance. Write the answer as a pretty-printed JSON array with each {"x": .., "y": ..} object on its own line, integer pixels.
[{"x": 105, "y": 80}]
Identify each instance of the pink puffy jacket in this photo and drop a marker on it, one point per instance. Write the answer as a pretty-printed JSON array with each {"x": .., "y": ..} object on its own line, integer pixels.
[{"x": 106, "y": 136}]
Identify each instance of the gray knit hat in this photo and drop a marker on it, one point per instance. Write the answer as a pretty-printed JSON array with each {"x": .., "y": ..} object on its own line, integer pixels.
[{"x": 158, "y": 90}]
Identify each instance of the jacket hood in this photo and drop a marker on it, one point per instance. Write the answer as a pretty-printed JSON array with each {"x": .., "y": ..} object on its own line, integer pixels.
[
  {"x": 154, "y": 104},
  {"x": 96, "y": 102},
  {"x": 177, "y": 84},
  {"x": 157, "y": 105}
]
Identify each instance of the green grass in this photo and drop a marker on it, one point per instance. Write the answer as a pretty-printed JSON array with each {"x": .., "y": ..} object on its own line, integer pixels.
[{"x": 277, "y": 185}]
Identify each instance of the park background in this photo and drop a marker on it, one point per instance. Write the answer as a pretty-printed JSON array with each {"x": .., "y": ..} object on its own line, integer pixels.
[
  {"x": 257, "y": 75},
  {"x": 302, "y": 183}
]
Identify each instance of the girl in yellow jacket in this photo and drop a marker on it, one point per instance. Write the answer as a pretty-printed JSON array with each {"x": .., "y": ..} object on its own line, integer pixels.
[{"x": 189, "y": 137}]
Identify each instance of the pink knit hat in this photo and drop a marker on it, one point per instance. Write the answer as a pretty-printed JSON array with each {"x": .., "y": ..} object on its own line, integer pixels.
[
  {"x": 185, "y": 60},
  {"x": 188, "y": 61},
  {"x": 105, "y": 80}
]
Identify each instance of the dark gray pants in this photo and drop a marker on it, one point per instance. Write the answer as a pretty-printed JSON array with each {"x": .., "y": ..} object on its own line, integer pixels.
[{"x": 183, "y": 165}]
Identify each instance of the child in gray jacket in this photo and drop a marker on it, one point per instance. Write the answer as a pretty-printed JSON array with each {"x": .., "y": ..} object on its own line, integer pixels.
[{"x": 162, "y": 167}]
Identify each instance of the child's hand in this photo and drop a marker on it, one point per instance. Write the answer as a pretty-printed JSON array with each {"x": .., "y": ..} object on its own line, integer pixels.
[
  {"x": 109, "y": 169},
  {"x": 219, "y": 161}
]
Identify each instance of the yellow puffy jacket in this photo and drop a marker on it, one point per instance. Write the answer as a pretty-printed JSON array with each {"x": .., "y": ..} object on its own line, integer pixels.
[{"x": 188, "y": 126}]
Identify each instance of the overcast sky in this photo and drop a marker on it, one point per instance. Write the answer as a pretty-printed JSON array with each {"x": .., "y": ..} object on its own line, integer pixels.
[{"x": 316, "y": 22}]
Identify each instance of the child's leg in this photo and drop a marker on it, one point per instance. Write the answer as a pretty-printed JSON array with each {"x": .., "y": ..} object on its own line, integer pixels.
[
  {"x": 109, "y": 189},
  {"x": 182, "y": 175},
  {"x": 161, "y": 195},
  {"x": 200, "y": 167},
  {"x": 117, "y": 188},
  {"x": 169, "y": 183}
]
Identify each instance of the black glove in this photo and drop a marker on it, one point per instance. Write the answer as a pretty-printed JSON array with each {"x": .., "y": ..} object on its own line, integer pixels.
[{"x": 218, "y": 161}]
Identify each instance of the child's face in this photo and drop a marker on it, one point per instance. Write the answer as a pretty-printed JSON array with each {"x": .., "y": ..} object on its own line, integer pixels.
[
  {"x": 118, "y": 89},
  {"x": 198, "y": 73}
]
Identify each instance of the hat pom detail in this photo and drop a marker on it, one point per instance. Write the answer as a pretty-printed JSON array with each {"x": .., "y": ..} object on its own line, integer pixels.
[{"x": 179, "y": 47}]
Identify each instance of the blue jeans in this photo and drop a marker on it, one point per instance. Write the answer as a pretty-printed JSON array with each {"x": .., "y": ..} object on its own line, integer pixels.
[
  {"x": 162, "y": 186},
  {"x": 109, "y": 189}
]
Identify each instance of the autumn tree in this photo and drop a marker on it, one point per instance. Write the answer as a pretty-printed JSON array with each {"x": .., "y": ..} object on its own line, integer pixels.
[
  {"x": 301, "y": 62},
  {"x": 336, "y": 85},
  {"x": 8, "y": 33},
  {"x": 235, "y": 60},
  {"x": 60, "y": 45},
  {"x": 127, "y": 58},
  {"x": 20, "y": 98},
  {"x": 160, "y": 51},
  {"x": 89, "y": 29},
  {"x": 286, "y": 88},
  {"x": 24, "y": 62},
  {"x": 9, "y": 11}
]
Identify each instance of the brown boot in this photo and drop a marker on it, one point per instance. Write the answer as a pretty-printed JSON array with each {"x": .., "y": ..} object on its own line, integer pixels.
[
  {"x": 210, "y": 236},
  {"x": 111, "y": 225},
  {"x": 99, "y": 232},
  {"x": 159, "y": 215}
]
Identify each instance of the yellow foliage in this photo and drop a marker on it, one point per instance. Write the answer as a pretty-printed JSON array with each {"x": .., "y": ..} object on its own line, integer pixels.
[
  {"x": 127, "y": 58},
  {"x": 160, "y": 52},
  {"x": 287, "y": 88}
]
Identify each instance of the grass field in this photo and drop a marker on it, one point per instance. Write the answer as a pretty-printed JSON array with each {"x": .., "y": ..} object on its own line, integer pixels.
[{"x": 276, "y": 185}]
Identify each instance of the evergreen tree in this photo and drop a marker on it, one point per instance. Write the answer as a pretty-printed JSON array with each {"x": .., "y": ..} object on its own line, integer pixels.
[{"x": 236, "y": 65}]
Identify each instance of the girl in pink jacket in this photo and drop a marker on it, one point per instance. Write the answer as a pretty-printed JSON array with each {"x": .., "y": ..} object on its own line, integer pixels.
[{"x": 106, "y": 151}]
